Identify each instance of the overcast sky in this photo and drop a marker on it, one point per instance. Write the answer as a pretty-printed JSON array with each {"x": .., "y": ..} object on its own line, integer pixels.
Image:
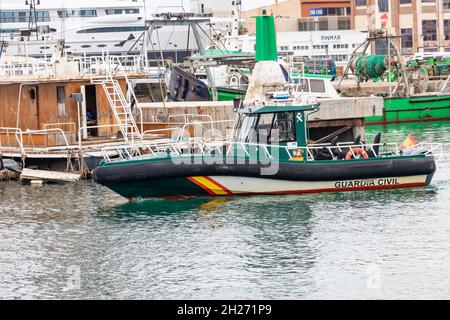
[
  {"x": 246, "y": 4},
  {"x": 152, "y": 5}
]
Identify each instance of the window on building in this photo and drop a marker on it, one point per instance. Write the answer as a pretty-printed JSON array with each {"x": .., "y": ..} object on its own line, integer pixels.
[
  {"x": 381, "y": 47},
  {"x": 446, "y": 4},
  {"x": 344, "y": 25},
  {"x": 447, "y": 29},
  {"x": 333, "y": 11},
  {"x": 61, "y": 100},
  {"x": 360, "y": 3},
  {"x": 407, "y": 38},
  {"x": 340, "y": 46},
  {"x": 303, "y": 26},
  {"x": 383, "y": 5},
  {"x": 405, "y": 1},
  {"x": 429, "y": 32},
  {"x": 300, "y": 48},
  {"x": 323, "y": 25}
]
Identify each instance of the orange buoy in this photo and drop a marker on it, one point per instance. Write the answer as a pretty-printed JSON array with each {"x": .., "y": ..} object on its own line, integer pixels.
[{"x": 350, "y": 154}]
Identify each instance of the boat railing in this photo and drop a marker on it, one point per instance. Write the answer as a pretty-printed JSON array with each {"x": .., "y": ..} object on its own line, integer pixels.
[
  {"x": 201, "y": 127},
  {"x": 435, "y": 149},
  {"x": 170, "y": 134},
  {"x": 333, "y": 152},
  {"x": 105, "y": 126},
  {"x": 155, "y": 149},
  {"x": 190, "y": 117},
  {"x": 13, "y": 137},
  {"x": 71, "y": 126},
  {"x": 15, "y": 70},
  {"x": 46, "y": 133},
  {"x": 24, "y": 139},
  {"x": 111, "y": 66},
  {"x": 201, "y": 147},
  {"x": 115, "y": 65}
]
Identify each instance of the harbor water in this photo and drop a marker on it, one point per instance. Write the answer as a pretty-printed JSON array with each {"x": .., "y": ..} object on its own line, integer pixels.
[{"x": 82, "y": 241}]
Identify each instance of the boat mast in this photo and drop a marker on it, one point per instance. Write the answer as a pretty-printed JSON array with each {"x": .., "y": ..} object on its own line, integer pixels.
[
  {"x": 32, "y": 16},
  {"x": 145, "y": 44}
]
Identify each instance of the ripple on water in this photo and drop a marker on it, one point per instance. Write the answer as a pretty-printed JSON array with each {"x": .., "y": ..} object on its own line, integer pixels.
[{"x": 382, "y": 244}]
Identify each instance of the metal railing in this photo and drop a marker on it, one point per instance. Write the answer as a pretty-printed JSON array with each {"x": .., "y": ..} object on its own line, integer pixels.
[
  {"x": 46, "y": 133},
  {"x": 202, "y": 127},
  {"x": 83, "y": 128},
  {"x": 18, "y": 138},
  {"x": 156, "y": 133},
  {"x": 178, "y": 134},
  {"x": 190, "y": 117},
  {"x": 272, "y": 152},
  {"x": 24, "y": 143},
  {"x": 73, "y": 125},
  {"x": 16, "y": 70},
  {"x": 90, "y": 67}
]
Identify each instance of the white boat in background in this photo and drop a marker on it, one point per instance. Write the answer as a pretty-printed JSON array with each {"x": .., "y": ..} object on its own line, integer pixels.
[{"x": 90, "y": 28}]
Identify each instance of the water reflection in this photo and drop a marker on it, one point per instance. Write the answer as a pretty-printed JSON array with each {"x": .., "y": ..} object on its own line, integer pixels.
[
  {"x": 296, "y": 246},
  {"x": 162, "y": 207}
]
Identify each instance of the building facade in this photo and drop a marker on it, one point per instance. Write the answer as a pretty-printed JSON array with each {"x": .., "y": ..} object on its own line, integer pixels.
[
  {"x": 327, "y": 15},
  {"x": 422, "y": 25},
  {"x": 286, "y": 15}
]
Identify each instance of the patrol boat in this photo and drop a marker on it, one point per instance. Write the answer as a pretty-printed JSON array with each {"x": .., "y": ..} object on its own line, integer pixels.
[
  {"x": 278, "y": 160},
  {"x": 277, "y": 147}
]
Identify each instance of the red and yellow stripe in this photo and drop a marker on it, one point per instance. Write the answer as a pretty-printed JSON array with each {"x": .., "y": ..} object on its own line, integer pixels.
[{"x": 212, "y": 187}]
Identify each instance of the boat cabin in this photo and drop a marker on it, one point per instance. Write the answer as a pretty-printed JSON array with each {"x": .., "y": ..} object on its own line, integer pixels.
[
  {"x": 37, "y": 108},
  {"x": 67, "y": 107},
  {"x": 285, "y": 126},
  {"x": 290, "y": 128}
]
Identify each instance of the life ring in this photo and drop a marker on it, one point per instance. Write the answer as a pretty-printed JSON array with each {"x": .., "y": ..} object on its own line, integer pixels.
[{"x": 355, "y": 151}]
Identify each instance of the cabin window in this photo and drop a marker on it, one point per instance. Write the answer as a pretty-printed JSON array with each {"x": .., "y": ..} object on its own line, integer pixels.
[
  {"x": 23, "y": 16},
  {"x": 77, "y": 13},
  {"x": 121, "y": 11},
  {"x": 245, "y": 128},
  {"x": 61, "y": 100},
  {"x": 304, "y": 85},
  {"x": 283, "y": 128},
  {"x": 113, "y": 29},
  {"x": 32, "y": 94},
  {"x": 317, "y": 85},
  {"x": 264, "y": 127}
]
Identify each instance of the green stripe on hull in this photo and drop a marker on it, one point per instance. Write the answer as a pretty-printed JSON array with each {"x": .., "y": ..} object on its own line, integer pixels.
[
  {"x": 228, "y": 94},
  {"x": 425, "y": 108},
  {"x": 167, "y": 188}
]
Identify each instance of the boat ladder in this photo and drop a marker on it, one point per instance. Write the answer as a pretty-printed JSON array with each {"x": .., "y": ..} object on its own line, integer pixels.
[{"x": 121, "y": 108}]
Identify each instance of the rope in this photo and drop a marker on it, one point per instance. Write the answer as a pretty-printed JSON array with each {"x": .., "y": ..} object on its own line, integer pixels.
[
  {"x": 160, "y": 70},
  {"x": 212, "y": 41},
  {"x": 369, "y": 67}
]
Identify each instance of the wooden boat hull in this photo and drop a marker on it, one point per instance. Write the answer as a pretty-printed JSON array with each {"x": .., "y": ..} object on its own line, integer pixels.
[{"x": 168, "y": 180}]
